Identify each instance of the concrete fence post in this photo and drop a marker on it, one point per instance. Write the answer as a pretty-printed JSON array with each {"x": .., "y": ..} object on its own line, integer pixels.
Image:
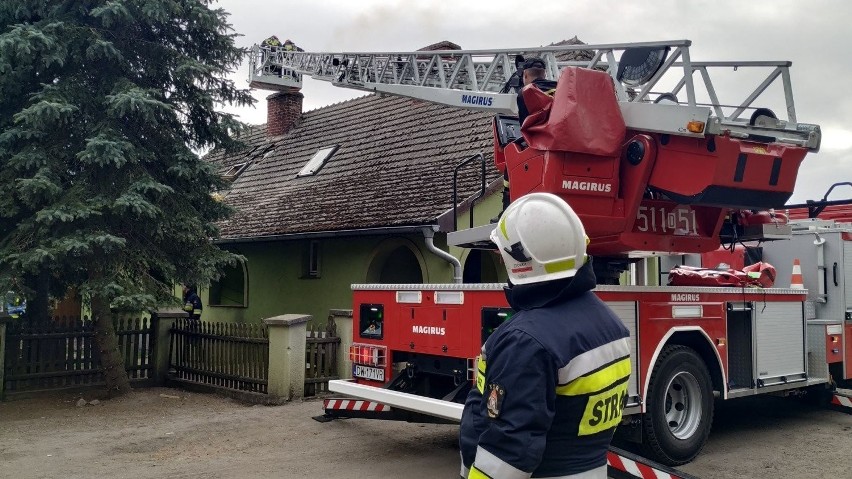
[
  {"x": 287, "y": 334},
  {"x": 3, "y": 319},
  {"x": 343, "y": 319},
  {"x": 161, "y": 322}
]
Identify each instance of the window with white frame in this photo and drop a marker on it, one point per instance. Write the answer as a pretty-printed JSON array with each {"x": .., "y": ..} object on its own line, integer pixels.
[
  {"x": 235, "y": 171},
  {"x": 317, "y": 161}
]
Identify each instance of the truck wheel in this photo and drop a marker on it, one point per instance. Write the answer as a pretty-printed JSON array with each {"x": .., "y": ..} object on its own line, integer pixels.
[{"x": 679, "y": 410}]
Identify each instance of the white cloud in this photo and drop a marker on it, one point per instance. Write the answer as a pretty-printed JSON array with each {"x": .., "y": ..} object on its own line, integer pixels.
[
  {"x": 836, "y": 138},
  {"x": 821, "y": 170}
]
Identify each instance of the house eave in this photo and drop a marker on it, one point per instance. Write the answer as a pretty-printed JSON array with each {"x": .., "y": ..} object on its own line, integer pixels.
[{"x": 390, "y": 230}]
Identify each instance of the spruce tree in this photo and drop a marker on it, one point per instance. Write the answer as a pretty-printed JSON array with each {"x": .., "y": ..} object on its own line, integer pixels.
[{"x": 102, "y": 106}]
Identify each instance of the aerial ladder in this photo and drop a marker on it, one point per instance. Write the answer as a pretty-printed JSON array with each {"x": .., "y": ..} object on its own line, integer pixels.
[{"x": 685, "y": 167}]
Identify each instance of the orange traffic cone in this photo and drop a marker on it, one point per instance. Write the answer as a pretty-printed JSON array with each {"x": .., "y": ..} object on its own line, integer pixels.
[{"x": 796, "y": 279}]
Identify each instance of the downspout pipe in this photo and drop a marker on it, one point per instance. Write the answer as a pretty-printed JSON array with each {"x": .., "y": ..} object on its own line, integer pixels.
[{"x": 429, "y": 235}]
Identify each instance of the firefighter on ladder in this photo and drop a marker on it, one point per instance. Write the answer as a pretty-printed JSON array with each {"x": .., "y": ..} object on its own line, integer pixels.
[
  {"x": 268, "y": 49},
  {"x": 534, "y": 74},
  {"x": 289, "y": 46},
  {"x": 272, "y": 45},
  {"x": 531, "y": 72},
  {"x": 551, "y": 381}
]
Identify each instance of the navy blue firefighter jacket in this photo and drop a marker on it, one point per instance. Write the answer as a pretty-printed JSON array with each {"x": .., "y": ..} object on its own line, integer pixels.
[{"x": 551, "y": 385}]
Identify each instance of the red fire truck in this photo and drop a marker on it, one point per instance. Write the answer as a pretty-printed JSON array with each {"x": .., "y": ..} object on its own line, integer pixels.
[
  {"x": 671, "y": 177},
  {"x": 689, "y": 344}
]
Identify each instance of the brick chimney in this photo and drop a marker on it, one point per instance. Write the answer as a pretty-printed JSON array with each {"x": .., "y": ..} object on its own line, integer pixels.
[{"x": 283, "y": 110}]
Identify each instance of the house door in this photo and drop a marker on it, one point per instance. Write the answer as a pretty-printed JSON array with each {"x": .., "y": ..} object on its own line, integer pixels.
[
  {"x": 479, "y": 267},
  {"x": 397, "y": 266}
]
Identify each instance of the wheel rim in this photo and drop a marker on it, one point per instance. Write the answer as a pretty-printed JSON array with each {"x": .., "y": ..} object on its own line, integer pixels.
[{"x": 683, "y": 405}]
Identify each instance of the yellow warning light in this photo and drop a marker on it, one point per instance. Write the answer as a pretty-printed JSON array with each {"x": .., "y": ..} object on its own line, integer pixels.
[{"x": 695, "y": 126}]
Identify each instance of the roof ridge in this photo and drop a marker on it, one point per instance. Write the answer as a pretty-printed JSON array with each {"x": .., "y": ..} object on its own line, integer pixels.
[
  {"x": 349, "y": 100},
  {"x": 262, "y": 126}
]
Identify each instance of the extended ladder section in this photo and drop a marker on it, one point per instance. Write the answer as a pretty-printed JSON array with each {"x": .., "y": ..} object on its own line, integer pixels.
[{"x": 654, "y": 81}]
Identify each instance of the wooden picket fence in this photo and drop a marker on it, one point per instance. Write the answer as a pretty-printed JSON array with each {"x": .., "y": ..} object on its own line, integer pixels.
[
  {"x": 60, "y": 353},
  {"x": 321, "y": 350},
  {"x": 225, "y": 355}
]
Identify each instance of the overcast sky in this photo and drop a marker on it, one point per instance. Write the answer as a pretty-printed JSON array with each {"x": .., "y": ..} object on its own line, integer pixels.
[{"x": 815, "y": 35}]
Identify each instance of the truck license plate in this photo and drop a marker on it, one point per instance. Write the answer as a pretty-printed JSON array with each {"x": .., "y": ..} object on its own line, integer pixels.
[{"x": 366, "y": 372}]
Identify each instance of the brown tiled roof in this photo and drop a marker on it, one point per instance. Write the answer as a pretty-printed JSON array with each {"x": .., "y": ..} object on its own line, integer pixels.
[
  {"x": 577, "y": 55},
  {"x": 442, "y": 45},
  {"x": 394, "y": 167}
]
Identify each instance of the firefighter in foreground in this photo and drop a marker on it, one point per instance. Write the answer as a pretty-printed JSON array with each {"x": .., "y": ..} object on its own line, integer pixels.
[{"x": 551, "y": 381}]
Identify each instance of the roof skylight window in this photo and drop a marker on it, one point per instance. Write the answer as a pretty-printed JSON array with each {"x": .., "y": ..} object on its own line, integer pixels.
[
  {"x": 317, "y": 161},
  {"x": 235, "y": 171}
]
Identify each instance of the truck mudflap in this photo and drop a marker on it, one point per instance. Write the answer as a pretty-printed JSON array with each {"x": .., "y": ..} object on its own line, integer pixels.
[{"x": 380, "y": 403}]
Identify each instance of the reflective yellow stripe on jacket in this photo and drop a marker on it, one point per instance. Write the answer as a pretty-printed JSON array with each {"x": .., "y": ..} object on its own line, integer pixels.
[
  {"x": 476, "y": 474},
  {"x": 488, "y": 466},
  {"x": 597, "y": 380},
  {"x": 607, "y": 391},
  {"x": 480, "y": 374}
]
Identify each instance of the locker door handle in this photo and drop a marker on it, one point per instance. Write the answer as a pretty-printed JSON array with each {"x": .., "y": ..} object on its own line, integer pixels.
[{"x": 834, "y": 273}]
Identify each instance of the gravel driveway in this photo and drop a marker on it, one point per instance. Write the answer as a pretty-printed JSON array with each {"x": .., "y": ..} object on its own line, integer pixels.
[{"x": 163, "y": 432}]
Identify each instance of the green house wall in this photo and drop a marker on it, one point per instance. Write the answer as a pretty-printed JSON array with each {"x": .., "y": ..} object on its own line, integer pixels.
[
  {"x": 276, "y": 270},
  {"x": 277, "y": 284}
]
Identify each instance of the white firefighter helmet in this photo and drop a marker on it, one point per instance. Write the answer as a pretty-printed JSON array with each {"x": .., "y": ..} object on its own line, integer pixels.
[{"x": 541, "y": 239}]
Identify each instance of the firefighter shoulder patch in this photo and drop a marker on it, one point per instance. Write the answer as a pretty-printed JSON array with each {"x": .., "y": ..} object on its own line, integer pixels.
[{"x": 496, "y": 393}]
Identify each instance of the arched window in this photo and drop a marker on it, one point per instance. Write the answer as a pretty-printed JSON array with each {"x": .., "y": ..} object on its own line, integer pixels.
[
  {"x": 480, "y": 267},
  {"x": 395, "y": 261},
  {"x": 232, "y": 288}
]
